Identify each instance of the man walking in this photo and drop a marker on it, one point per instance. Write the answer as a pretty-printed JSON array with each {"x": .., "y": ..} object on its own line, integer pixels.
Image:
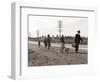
[
  {"x": 48, "y": 41},
  {"x": 45, "y": 42},
  {"x": 62, "y": 43},
  {"x": 77, "y": 41},
  {"x": 39, "y": 43}
]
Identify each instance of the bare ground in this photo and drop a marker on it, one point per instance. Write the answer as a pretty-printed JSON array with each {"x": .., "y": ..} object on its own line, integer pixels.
[{"x": 44, "y": 57}]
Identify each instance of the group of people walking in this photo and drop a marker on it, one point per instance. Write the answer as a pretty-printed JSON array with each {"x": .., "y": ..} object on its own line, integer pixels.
[{"x": 47, "y": 41}]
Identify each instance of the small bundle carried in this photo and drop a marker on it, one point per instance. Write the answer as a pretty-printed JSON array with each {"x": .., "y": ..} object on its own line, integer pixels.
[{"x": 73, "y": 45}]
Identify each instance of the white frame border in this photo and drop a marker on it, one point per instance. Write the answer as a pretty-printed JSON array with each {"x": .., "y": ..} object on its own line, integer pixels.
[{"x": 16, "y": 30}]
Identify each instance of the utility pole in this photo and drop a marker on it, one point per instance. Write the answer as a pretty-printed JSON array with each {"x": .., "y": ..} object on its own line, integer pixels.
[
  {"x": 37, "y": 33},
  {"x": 60, "y": 23},
  {"x": 38, "y": 38}
]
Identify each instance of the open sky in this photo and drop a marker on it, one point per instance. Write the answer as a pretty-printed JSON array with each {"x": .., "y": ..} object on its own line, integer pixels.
[{"x": 49, "y": 25}]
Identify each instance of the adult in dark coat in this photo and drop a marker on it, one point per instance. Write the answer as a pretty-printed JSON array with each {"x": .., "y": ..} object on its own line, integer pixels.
[
  {"x": 62, "y": 43},
  {"x": 39, "y": 43},
  {"x": 48, "y": 41},
  {"x": 77, "y": 41},
  {"x": 45, "y": 42}
]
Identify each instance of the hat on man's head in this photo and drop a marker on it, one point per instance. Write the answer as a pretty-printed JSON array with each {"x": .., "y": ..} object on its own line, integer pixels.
[{"x": 78, "y": 31}]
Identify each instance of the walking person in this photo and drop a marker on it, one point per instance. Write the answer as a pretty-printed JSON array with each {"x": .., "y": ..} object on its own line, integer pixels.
[
  {"x": 39, "y": 43},
  {"x": 45, "y": 42},
  {"x": 77, "y": 41},
  {"x": 62, "y": 43},
  {"x": 48, "y": 41}
]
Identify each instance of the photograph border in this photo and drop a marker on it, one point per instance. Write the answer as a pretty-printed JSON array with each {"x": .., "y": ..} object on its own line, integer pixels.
[{"x": 17, "y": 66}]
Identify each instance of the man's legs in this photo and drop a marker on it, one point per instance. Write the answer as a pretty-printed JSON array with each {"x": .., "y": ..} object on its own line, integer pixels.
[
  {"x": 62, "y": 47},
  {"x": 48, "y": 46},
  {"x": 76, "y": 47},
  {"x": 39, "y": 44},
  {"x": 45, "y": 44}
]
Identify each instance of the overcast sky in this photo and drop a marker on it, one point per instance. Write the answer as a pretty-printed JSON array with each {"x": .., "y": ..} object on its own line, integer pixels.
[{"x": 49, "y": 25}]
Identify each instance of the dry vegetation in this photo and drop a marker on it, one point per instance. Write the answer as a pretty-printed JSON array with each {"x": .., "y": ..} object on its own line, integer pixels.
[{"x": 43, "y": 57}]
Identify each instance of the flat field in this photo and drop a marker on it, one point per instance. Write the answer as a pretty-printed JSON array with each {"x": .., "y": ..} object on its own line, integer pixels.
[{"x": 41, "y": 56}]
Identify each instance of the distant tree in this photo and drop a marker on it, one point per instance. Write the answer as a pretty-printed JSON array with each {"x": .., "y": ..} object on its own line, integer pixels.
[
  {"x": 42, "y": 36},
  {"x": 52, "y": 36},
  {"x": 56, "y": 36}
]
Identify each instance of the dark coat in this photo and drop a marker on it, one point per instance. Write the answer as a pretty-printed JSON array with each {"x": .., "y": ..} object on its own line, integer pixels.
[
  {"x": 45, "y": 40},
  {"x": 48, "y": 39},
  {"x": 77, "y": 38},
  {"x": 62, "y": 40}
]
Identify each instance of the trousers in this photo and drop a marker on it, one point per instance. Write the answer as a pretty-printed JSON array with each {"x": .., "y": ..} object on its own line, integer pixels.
[{"x": 76, "y": 47}]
